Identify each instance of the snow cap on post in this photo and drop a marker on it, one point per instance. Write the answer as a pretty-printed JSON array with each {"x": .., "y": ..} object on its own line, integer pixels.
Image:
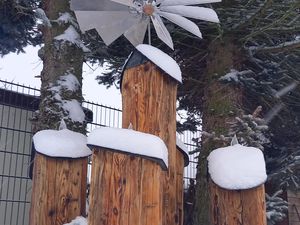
[
  {"x": 131, "y": 142},
  {"x": 237, "y": 167},
  {"x": 61, "y": 144},
  {"x": 145, "y": 53},
  {"x": 183, "y": 149}
]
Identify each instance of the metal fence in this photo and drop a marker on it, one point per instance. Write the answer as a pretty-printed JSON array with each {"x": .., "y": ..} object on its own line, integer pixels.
[{"x": 17, "y": 105}]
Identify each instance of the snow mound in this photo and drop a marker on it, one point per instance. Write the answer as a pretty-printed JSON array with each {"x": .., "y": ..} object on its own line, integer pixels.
[
  {"x": 61, "y": 143},
  {"x": 79, "y": 220},
  {"x": 162, "y": 60},
  {"x": 237, "y": 167},
  {"x": 184, "y": 150},
  {"x": 130, "y": 141}
]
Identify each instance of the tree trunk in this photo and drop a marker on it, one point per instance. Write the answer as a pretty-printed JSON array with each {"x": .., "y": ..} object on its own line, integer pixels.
[
  {"x": 53, "y": 200},
  {"x": 221, "y": 105}
]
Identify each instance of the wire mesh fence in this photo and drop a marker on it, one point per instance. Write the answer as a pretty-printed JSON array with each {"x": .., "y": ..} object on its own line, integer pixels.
[{"x": 17, "y": 106}]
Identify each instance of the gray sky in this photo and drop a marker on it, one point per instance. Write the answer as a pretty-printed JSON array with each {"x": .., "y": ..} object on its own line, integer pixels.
[{"x": 21, "y": 68}]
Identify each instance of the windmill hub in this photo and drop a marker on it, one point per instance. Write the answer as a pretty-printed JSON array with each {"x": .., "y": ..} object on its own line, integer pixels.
[{"x": 148, "y": 9}]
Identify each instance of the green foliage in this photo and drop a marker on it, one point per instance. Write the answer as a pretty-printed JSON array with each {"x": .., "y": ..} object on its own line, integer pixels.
[{"x": 17, "y": 25}]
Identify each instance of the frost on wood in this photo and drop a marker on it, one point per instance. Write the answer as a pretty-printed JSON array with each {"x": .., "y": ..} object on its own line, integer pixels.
[
  {"x": 130, "y": 141},
  {"x": 61, "y": 143},
  {"x": 237, "y": 167},
  {"x": 79, "y": 220},
  {"x": 162, "y": 60}
]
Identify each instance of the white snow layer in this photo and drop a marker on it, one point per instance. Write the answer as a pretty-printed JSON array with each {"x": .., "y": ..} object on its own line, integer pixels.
[
  {"x": 162, "y": 60},
  {"x": 61, "y": 143},
  {"x": 74, "y": 110},
  {"x": 72, "y": 36},
  {"x": 237, "y": 167},
  {"x": 79, "y": 220},
  {"x": 180, "y": 144},
  {"x": 69, "y": 82},
  {"x": 130, "y": 141}
]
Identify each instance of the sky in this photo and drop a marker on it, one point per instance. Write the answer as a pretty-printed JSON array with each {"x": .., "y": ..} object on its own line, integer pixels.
[{"x": 22, "y": 68}]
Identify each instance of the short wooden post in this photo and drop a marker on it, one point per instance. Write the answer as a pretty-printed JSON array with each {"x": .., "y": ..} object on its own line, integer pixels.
[
  {"x": 125, "y": 189},
  {"x": 59, "y": 177},
  {"x": 58, "y": 190},
  {"x": 236, "y": 207},
  {"x": 237, "y": 192},
  {"x": 149, "y": 104}
]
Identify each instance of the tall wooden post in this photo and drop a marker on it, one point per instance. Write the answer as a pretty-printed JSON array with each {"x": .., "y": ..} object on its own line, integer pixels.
[
  {"x": 58, "y": 190},
  {"x": 149, "y": 104}
]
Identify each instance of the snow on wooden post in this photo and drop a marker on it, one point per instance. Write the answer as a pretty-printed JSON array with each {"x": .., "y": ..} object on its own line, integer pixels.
[
  {"x": 237, "y": 189},
  {"x": 149, "y": 104},
  {"x": 59, "y": 182},
  {"x": 127, "y": 170}
]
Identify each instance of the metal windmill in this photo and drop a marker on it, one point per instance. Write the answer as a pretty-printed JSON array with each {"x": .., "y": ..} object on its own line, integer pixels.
[{"x": 112, "y": 18}]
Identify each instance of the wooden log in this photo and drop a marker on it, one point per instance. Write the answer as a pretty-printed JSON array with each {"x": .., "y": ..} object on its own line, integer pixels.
[
  {"x": 179, "y": 187},
  {"x": 125, "y": 189},
  {"x": 237, "y": 207},
  {"x": 149, "y": 104},
  {"x": 58, "y": 190}
]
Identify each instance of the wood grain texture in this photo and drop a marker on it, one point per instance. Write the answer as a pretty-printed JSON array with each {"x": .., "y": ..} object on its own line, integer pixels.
[
  {"x": 179, "y": 187},
  {"x": 237, "y": 207},
  {"x": 58, "y": 195},
  {"x": 124, "y": 190},
  {"x": 149, "y": 104}
]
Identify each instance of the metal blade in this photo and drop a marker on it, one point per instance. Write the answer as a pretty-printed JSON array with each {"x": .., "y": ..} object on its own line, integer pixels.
[
  {"x": 136, "y": 33},
  {"x": 161, "y": 30},
  {"x": 187, "y": 2},
  {"x": 110, "y": 25},
  {"x": 195, "y": 12},
  {"x": 96, "y": 5},
  {"x": 125, "y": 2},
  {"x": 182, "y": 22}
]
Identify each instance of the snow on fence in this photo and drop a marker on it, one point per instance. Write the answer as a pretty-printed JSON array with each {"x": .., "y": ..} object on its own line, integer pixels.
[{"x": 17, "y": 106}]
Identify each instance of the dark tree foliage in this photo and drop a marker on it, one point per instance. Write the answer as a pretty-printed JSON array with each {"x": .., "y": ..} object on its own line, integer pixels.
[
  {"x": 267, "y": 35},
  {"x": 17, "y": 25}
]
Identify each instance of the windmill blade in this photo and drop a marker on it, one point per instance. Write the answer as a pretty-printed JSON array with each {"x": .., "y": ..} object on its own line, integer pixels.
[
  {"x": 187, "y": 2},
  {"x": 110, "y": 25},
  {"x": 96, "y": 5},
  {"x": 161, "y": 30},
  {"x": 136, "y": 33},
  {"x": 182, "y": 22},
  {"x": 125, "y": 2},
  {"x": 195, "y": 12}
]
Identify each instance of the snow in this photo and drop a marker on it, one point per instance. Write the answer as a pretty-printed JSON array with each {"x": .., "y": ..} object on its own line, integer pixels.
[
  {"x": 74, "y": 110},
  {"x": 181, "y": 145},
  {"x": 231, "y": 76},
  {"x": 72, "y": 36},
  {"x": 129, "y": 141},
  {"x": 61, "y": 143},
  {"x": 162, "y": 60},
  {"x": 69, "y": 82},
  {"x": 237, "y": 167},
  {"x": 40, "y": 14},
  {"x": 79, "y": 220}
]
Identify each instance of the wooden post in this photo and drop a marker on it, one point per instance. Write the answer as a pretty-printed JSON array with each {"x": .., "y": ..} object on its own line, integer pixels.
[
  {"x": 236, "y": 207},
  {"x": 125, "y": 189},
  {"x": 149, "y": 104},
  {"x": 58, "y": 190}
]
